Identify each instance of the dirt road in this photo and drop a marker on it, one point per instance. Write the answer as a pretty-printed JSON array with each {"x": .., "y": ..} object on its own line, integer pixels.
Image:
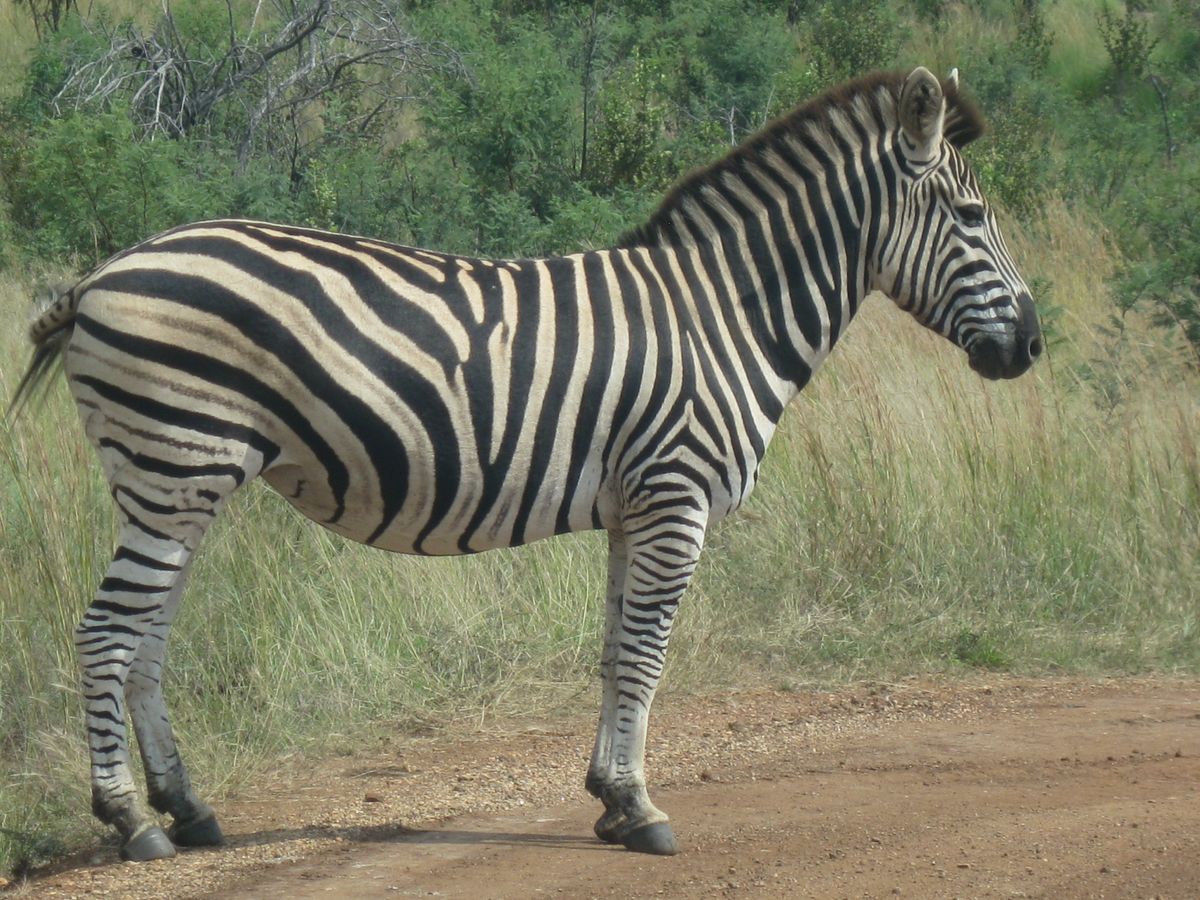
[{"x": 1009, "y": 788}]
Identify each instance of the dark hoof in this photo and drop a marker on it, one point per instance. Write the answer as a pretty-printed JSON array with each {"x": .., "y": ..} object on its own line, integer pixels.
[
  {"x": 150, "y": 843},
  {"x": 608, "y": 827},
  {"x": 657, "y": 838},
  {"x": 203, "y": 832}
]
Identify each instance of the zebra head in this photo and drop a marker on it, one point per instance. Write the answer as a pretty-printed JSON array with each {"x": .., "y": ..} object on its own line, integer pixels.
[{"x": 942, "y": 257}]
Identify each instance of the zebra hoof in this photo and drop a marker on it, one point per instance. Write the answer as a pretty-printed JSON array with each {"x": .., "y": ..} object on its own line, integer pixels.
[
  {"x": 608, "y": 827},
  {"x": 149, "y": 843},
  {"x": 203, "y": 832},
  {"x": 656, "y": 838}
]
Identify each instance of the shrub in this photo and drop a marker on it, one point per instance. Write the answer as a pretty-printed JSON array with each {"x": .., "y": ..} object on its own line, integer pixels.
[
  {"x": 853, "y": 37},
  {"x": 84, "y": 186}
]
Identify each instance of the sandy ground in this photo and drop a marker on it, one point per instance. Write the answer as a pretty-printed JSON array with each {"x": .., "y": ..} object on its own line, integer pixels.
[{"x": 1004, "y": 788}]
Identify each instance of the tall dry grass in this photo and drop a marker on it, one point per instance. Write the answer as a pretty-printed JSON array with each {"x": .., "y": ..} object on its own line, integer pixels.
[{"x": 17, "y": 39}]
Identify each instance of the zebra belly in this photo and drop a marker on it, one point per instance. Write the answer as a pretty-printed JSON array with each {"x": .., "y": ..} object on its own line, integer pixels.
[{"x": 483, "y": 516}]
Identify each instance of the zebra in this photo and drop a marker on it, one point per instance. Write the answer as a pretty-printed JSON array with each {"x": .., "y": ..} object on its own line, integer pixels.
[{"x": 428, "y": 403}]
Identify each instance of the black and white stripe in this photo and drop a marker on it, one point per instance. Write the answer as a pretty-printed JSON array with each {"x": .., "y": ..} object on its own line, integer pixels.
[{"x": 429, "y": 403}]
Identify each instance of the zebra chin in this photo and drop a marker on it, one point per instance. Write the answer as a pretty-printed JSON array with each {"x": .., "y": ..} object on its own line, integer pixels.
[{"x": 1009, "y": 355}]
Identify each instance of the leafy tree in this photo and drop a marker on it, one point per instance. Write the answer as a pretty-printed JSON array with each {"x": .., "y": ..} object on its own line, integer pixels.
[
  {"x": 1014, "y": 158},
  {"x": 627, "y": 147},
  {"x": 1152, "y": 144},
  {"x": 1162, "y": 239},
  {"x": 1034, "y": 39},
  {"x": 1128, "y": 43}
]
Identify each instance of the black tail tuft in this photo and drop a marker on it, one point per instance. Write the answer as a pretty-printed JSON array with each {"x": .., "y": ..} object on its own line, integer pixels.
[
  {"x": 50, "y": 331},
  {"x": 37, "y": 375}
]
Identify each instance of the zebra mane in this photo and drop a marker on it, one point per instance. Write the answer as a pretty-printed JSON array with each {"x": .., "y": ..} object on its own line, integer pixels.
[{"x": 964, "y": 123}]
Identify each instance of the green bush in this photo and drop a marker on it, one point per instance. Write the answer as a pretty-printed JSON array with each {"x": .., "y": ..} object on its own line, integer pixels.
[
  {"x": 1162, "y": 236},
  {"x": 853, "y": 37},
  {"x": 84, "y": 186},
  {"x": 627, "y": 147}
]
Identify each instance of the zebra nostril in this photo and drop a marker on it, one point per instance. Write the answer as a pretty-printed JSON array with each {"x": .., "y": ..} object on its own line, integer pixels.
[{"x": 1035, "y": 348}]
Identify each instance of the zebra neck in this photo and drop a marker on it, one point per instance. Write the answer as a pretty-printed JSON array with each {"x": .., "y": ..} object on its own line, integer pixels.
[{"x": 785, "y": 252}]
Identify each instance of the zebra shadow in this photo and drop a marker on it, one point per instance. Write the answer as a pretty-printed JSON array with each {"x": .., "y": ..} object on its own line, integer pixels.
[
  {"x": 341, "y": 838},
  {"x": 349, "y": 836}
]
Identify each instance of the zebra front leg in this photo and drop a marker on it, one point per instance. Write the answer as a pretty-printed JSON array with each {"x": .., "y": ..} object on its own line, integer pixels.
[
  {"x": 129, "y": 602},
  {"x": 170, "y": 786},
  {"x": 608, "y": 825},
  {"x": 660, "y": 564}
]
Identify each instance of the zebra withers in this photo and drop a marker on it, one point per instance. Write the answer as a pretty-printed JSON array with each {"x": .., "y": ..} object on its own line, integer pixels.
[{"x": 428, "y": 403}]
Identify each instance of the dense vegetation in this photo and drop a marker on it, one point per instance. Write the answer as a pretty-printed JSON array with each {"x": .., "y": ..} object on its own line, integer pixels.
[{"x": 910, "y": 518}]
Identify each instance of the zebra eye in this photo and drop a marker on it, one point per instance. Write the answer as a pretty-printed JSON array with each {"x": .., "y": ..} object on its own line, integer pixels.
[{"x": 971, "y": 215}]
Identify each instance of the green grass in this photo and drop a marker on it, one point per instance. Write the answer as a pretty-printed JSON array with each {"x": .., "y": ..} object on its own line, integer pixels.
[
  {"x": 1079, "y": 59},
  {"x": 889, "y": 527}
]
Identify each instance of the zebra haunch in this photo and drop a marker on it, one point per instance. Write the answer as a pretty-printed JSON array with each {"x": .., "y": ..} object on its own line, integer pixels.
[{"x": 428, "y": 403}]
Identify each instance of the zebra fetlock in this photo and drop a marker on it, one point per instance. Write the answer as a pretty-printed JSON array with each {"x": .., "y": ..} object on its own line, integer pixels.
[{"x": 630, "y": 818}]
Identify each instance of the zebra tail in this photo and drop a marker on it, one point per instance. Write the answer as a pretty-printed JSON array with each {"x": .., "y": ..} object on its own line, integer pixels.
[{"x": 53, "y": 322}]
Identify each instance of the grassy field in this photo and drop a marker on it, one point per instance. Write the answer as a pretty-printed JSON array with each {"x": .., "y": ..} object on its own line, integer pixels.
[{"x": 910, "y": 518}]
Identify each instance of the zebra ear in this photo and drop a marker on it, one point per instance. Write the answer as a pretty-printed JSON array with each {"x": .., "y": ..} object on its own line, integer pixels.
[
  {"x": 964, "y": 122},
  {"x": 922, "y": 111}
]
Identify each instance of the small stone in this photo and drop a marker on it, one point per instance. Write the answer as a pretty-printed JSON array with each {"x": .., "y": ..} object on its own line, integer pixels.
[{"x": 372, "y": 797}]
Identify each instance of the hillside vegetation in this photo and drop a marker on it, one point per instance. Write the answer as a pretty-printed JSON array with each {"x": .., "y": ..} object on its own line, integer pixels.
[{"x": 910, "y": 517}]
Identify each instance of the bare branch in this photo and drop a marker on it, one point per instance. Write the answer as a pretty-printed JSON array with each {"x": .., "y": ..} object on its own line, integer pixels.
[{"x": 315, "y": 48}]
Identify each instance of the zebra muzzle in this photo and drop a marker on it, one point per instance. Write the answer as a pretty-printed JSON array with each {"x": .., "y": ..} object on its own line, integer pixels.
[{"x": 997, "y": 356}]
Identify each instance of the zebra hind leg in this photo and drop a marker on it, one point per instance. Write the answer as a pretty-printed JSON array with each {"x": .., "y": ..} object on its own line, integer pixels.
[
  {"x": 170, "y": 787},
  {"x": 165, "y": 509},
  {"x": 124, "y": 616}
]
